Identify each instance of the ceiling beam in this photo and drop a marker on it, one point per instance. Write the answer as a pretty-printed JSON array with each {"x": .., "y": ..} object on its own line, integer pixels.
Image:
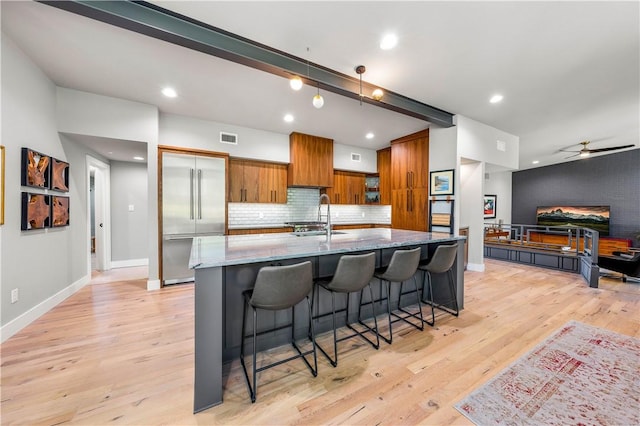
[{"x": 154, "y": 21}]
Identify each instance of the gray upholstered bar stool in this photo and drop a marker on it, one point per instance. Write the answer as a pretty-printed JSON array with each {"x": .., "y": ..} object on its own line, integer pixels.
[
  {"x": 402, "y": 266},
  {"x": 441, "y": 262},
  {"x": 352, "y": 275},
  {"x": 278, "y": 288}
]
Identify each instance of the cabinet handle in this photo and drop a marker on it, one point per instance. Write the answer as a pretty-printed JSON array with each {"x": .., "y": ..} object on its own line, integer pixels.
[
  {"x": 191, "y": 201},
  {"x": 199, "y": 193}
]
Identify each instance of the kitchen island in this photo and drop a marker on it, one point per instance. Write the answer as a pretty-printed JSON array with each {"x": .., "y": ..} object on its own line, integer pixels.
[{"x": 225, "y": 266}]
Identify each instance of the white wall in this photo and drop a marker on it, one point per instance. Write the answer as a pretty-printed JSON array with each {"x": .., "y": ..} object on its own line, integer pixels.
[
  {"x": 471, "y": 214},
  {"x": 499, "y": 184},
  {"x": 443, "y": 148},
  {"x": 40, "y": 263},
  {"x": 479, "y": 142},
  {"x": 188, "y": 132},
  {"x": 94, "y": 115},
  {"x": 129, "y": 228},
  {"x": 342, "y": 159}
]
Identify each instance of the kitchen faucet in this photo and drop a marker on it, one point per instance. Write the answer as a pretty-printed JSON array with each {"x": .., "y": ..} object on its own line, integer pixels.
[{"x": 328, "y": 226}]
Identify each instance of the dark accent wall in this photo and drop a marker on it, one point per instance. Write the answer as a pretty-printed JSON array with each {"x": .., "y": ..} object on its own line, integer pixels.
[{"x": 611, "y": 180}]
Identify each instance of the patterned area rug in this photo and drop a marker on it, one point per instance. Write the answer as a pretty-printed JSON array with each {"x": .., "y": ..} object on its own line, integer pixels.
[{"x": 581, "y": 375}]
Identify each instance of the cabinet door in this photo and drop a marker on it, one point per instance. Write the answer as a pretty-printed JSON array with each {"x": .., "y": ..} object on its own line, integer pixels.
[
  {"x": 400, "y": 208},
  {"x": 400, "y": 157},
  {"x": 251, "y": 184},
  {"x": 279, "y": 176},
  {"x": 338, "y": 192},
  {"x": 419, "y": 162},
  {"x": 384, "y": 172},
  {"x": 419, "y": 209},
  {"x": 357, "y": 188},
  {"x": 236, "y": 181},
  {"x": 273, "y": 183}
]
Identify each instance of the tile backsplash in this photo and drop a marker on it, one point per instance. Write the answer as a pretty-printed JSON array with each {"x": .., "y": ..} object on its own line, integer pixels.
[{"x": 302, "y": 205}]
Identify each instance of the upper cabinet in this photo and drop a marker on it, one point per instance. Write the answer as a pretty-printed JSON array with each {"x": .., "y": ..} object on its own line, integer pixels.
[
  {"x": 384, "y": 173},
  {"x": 257, "y": 182},
  {"x": 310, "y": 161},
  {"x": 410, "y": 181},
  {"x": 348, "y": 188},
  {"x": 410, "y": 161}
]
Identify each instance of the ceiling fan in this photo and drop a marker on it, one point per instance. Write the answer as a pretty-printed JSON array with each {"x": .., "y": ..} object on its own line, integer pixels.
[{"x": 585, "y": 152}]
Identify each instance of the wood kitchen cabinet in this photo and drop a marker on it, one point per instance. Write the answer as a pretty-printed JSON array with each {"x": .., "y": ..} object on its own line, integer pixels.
[
  {"x": 257, "y": 182},
  {"x": 410, "y": 181},
  {"x": 348, "y": 188},
  {"x": 384, "y": 173},
  {"x": 273, "y": 183},
  {"x": 310, "y": 161}
]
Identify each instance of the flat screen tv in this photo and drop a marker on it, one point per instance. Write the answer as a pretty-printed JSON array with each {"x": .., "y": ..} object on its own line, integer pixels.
[{"x": 594, "y": 217}]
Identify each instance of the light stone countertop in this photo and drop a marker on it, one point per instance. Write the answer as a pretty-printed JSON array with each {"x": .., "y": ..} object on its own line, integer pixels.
[{"x": 215, "y": 251}]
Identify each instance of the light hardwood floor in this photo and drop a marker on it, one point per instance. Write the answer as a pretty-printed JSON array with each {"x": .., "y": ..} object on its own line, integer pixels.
[{"x": 114, "y": 353}]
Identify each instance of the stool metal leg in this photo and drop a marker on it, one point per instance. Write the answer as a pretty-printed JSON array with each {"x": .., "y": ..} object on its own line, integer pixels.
[
  {"x": 420, "y": 325},
  {"x": 427, "y": 277}
]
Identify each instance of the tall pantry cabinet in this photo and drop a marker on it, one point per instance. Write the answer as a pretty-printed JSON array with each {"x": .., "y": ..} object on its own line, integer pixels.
[{"x": 410, "y": 181}]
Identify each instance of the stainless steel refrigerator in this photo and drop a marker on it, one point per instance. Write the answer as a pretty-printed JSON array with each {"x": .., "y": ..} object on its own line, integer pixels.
[{"x": 193, "y": 204}]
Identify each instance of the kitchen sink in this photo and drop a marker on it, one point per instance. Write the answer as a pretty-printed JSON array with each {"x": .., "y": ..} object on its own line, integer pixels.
[{"x": 310, "y": 233}]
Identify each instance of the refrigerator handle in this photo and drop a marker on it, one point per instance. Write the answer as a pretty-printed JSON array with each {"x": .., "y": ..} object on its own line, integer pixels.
[
  {"x": 191, "y": 194},
  {"x": 199, "y": 193}
]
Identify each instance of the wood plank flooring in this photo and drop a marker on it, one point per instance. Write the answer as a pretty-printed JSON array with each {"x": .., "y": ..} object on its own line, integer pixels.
[{"x": 114, "y": 353}]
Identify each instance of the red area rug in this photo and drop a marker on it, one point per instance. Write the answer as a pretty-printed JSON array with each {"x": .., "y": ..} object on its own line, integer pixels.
[{"x": 581, "y": 375}]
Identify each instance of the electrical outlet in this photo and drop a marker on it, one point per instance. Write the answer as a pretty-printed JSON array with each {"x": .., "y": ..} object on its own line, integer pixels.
[
  {"x": 14, "y": 295},
  {"x": 131, "y": 207}
]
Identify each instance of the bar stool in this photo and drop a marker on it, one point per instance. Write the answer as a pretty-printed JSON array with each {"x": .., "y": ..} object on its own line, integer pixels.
[
  {"x": 278, "y": 288},
  {"x": 353, "y": 273},
  {"x": 441, "y": 262},
  {"x": 402, "y": 266}
]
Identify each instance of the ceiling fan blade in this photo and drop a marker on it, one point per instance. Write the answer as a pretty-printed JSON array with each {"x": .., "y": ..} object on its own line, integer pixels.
[
  {"x": 566, "y": 150},
  {"x": 613, "y": 148},
  {"x": 571, "y": 156}
]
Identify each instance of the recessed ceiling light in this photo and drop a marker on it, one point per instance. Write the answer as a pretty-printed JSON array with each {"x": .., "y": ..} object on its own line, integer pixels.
[
  {"x": 288, "y": 118},
  {"x": 369, "y": 135},
  {"x": 169, "y": 92},
  {"x": 138, "y": 158},
  {"x": 389, "y": 41},
  {"x": 495, "y": 99},
  {"x": 535, "y": 162}
]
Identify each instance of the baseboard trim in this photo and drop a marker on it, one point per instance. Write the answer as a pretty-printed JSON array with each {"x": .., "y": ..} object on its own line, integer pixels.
[
  {"x": 477, "y": 267},
  {"x": 153, "y": 284},
  {"x": 129, "y": 263},
  {"x": 17, "y": 324}
]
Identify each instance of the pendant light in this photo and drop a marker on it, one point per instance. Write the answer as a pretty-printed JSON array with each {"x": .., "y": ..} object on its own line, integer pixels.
[
  {"x": 295, "y": 83},
  {"x": 318, "y": 101}
]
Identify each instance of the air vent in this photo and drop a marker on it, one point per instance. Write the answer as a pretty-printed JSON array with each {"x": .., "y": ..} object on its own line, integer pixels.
[
  {"x": 355, "y": 157},
  {"x": 231, "y": 138}
]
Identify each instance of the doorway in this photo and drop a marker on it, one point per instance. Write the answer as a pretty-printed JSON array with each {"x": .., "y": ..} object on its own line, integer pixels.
[{"x": 98, "y": 212}]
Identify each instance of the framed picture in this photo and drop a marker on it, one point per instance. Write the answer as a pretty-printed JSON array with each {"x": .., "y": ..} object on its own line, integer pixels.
[
  {"x": 490, "y": 206},
  {"x": 441, "y": 182},
  {"x": 36, "y": 211},
  {"x": 1, "y": 184},
  {"x": 35, "y": 169},
  {"x": 59, "y": 175},
  {"x": 59, "y": 210}
]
